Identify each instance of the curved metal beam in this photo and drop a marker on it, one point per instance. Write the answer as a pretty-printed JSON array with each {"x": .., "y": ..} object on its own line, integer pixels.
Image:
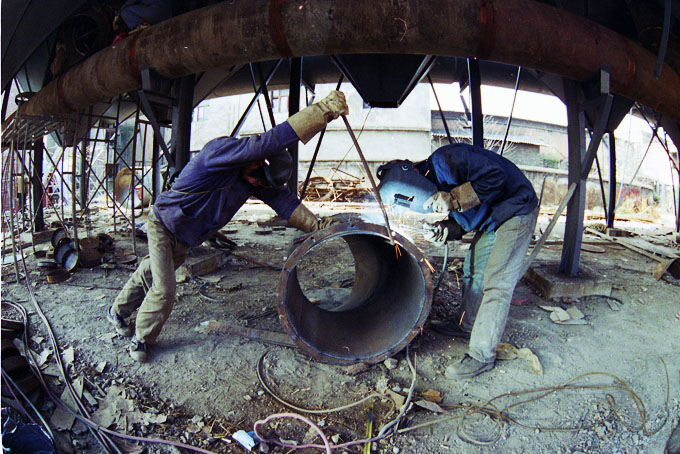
[{"x": 519, "y": 32}]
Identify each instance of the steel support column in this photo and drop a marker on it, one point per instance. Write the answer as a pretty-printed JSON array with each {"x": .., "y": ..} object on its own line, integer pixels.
[
  {"x": 476, "y": 102},
  {"x": 181, "y": 121},
  {"x": 611, "y": 213},
  {"x": 38, "y": 194},
  {"x": 83, "y": 196},
  {"x": 571, "y": 249},
  {"x": 255, "y": 99},
  {"x": 293, "y": 108},
  {"x": 441, "y": 113},
  {"x": 156, "y": 179}
]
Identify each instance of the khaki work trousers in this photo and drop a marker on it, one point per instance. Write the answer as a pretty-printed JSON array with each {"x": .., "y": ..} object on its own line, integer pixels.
[
  {"x": 152, "y": 288},
  {"x": 490, "y": 273}
]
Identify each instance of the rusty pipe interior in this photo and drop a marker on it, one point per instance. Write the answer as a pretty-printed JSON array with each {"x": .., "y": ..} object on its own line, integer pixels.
[{"x": 386, "y": 305}]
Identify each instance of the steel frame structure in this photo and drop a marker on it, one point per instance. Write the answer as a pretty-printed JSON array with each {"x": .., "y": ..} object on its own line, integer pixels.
[{"x": 588, "y": 109}]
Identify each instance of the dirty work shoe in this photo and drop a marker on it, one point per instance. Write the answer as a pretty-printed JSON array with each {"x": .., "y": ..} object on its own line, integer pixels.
[
  {"x": 450, "y": 329},
  {"x": 138, "y": 350},
  {"x": 119, "y": 323},
  {"x": 468, "y": 367}
]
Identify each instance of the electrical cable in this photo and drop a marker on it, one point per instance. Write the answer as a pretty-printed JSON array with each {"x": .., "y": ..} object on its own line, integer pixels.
[
  {"x": 10, "y": 383},
  {"x": 102, "y": 439},
  {"x": 94, "y": 426},
  {"x": 407, "y": 403},
  {"x": 317, "y": 429},
  {"x": 607, "y": 297},
  {"x": 260, "y": 377},
  {"x": 44, "y": 424},
  {"x": 381, "y": 435},
  {"x": 201, "y": 292},
  {"x": 441, "y": 276}
]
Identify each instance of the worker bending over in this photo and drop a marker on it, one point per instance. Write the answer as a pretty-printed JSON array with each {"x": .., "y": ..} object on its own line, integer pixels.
[
  {"x": 204, "y": 197},
  {"x": 478, "y": 190}
]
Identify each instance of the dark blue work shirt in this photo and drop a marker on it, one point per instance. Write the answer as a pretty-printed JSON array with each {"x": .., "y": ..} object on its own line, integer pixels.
[
  {"x": 210, "y": 190},
  {"x": 502, "y": 188}
]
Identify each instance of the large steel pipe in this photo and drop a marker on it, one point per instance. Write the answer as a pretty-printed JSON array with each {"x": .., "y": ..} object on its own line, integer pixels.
[
  {"x": 518, "y": 32},
  {"x": 388, "y": 304}
]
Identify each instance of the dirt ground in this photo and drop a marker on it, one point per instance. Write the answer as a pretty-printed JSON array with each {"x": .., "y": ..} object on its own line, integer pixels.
[{"x": 201, "y": 386}]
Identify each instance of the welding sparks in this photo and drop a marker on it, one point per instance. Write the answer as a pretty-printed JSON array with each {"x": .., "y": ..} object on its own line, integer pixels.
[
  {"x": 460, "y": 322},
  {"x": 397, "y": 250},
  {"x": 428, "y": 265}
]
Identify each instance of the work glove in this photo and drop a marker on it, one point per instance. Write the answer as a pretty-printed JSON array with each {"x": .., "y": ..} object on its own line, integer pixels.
[
  {"x": 314, "y": 118},
  {"x": 325, "y": 223},
  {"x": 442, "y": 231},
  {"x": 460, "y": 198},
  {"x": 303, "y": 219}
]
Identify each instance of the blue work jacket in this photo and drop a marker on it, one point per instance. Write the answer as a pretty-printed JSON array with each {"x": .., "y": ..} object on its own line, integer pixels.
[
  {"x": 210, "y": 190},
  {"x": 502, "y": 188}
]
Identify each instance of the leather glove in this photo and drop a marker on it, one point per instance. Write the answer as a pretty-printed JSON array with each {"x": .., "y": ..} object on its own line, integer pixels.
[
  {"x": 325, "y": 223},
  {"x": 303, "y": 219},
  {"x": 442, "y": 231},
  {"x": 313, "y": 119},
  {"x": 441, "y": 202},
  {"x": 460, "y": 198}
]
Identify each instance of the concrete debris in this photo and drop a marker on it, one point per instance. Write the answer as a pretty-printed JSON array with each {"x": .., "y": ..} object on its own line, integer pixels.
[
  {"x": 68, "y": 356},
  {"x": 570, "y": 316},
  {"x": 391, "y": 363},
  {"x": 432, "y": 395},
  {"x": 510, "y": 352},
  {"x": 62, "y": 419},
  {"x": 426, "y": 404},
  {"x": 397, "y": 398},
  {"x": 356, "y": 369},
  {"x": 101, "y": 366},
  {"x": 382, "y": 384}
]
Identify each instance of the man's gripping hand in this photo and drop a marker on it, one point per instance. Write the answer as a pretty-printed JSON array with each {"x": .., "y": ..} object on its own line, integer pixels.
[
  {"x": 442, "y": 231},
  {"x": 441, "y": 202},
  {"x": 460, "y": 198},
  {"x": 334, "y": 105}
]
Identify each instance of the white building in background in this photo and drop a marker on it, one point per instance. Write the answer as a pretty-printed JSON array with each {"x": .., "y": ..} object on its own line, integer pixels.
[{"x": 537, "y": 139}]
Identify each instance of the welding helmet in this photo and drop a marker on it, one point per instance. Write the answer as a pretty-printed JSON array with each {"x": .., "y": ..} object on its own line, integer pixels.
[
  {"x": 278, "y": 168},
  {"x": 402, "y": 185}
]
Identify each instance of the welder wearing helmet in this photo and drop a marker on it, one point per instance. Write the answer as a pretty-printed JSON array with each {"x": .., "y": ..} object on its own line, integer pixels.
[
  {"x": 477, "y": 190},
  {"x": 205, "y": 196}
]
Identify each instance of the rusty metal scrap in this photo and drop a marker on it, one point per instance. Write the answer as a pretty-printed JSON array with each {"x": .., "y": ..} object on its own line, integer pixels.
[{"x": 322, "y": 189}]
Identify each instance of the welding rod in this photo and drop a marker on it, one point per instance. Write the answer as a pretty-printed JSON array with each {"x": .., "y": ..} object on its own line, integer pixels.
[
  {"x": 370, "y": 177},
  {"x": 541, "y": 241}
]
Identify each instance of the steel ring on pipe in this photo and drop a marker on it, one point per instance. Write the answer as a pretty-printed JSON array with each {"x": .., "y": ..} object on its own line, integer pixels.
[{"x": 389, "y": 302}]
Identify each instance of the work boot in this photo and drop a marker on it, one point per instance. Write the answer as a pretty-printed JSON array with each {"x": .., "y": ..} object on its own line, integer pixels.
[
  {"x": 468, "y": 367},
  {"x": 137, "y": 350},
  {"x": 450, "y": 329},
  {"x": 119, "y": 323}
]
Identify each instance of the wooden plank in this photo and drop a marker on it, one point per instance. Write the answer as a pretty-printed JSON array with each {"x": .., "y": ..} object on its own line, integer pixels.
[{"x": 626, "y": 244}]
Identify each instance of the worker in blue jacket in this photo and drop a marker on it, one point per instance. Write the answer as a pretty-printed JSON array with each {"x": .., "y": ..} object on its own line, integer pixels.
[
  {"x": 478, "y": 190},
  {"x": 205, "y": 196}
]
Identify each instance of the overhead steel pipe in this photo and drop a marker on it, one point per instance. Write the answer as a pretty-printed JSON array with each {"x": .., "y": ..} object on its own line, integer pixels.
[
  {"x": 386, "y": 307},
  {"x": 523, "y": 33}
]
